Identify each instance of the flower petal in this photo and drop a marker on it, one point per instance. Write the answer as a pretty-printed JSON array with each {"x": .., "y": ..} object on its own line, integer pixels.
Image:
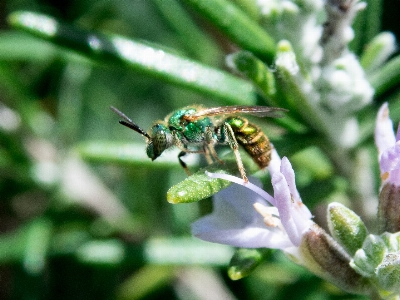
[
  {"x": 275, "y": 163},
  {"x": 249, "y": 237},
  {"x": 384, "y": 134},
  {"x": 235, "y": 222},
  {"x": 390, "y": 165},
  {"x": 283, "y": 203},
  {"x": 288, "y": 173},
  {"x": 255, "y": 188},
  {"x": 390, "y": 159}
]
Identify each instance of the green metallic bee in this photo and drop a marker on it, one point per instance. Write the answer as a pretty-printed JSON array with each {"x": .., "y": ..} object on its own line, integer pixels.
[{"x": 195, "y": 129}]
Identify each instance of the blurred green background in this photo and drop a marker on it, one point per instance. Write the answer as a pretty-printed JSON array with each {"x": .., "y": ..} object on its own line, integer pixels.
[{"x": 83, "y": 211}]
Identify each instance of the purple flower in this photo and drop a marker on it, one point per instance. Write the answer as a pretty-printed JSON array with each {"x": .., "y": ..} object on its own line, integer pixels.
[
  {"x": 388, "y": 147},
  {"x": 247, "y": 216},
  {"x": 389, "y": 162}
]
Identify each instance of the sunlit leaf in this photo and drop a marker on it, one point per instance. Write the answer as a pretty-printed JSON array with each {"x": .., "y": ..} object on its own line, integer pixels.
[
  {"x": 139, "y": 57},
  {"x": 199, "y": 186},
  {"x": 128, "y": 153}
]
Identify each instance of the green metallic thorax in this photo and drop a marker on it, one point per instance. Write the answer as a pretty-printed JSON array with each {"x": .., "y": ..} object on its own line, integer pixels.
[
  {"x": 175, "y": 120},
  {"x": 190, "y": 132}
]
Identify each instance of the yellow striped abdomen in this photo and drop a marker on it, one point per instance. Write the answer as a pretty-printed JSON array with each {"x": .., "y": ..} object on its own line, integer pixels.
[{"x": 253, "y": 140}]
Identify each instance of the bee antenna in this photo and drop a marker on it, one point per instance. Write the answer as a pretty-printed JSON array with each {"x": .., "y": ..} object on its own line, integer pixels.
[
  {"x": 133, "y": 126},
  {"x": 129, "y": 123}
]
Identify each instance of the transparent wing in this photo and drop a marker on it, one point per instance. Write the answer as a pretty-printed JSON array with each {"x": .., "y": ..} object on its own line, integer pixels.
[{"x": 258, "y": 111}]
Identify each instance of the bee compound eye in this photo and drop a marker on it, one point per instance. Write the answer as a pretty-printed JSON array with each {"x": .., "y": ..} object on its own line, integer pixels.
[{"x": 150, "y": 150}]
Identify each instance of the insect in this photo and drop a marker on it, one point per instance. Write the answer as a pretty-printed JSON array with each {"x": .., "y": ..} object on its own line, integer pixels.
[{"x": 195, "y": 129}]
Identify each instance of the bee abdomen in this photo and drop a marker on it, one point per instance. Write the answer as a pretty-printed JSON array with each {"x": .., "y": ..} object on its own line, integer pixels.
[
  {"x": 257, "y": 146},
  {"x": 253, "y": 140}
]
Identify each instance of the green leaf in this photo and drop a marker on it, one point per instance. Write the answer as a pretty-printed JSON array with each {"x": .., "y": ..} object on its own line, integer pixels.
[
  {"x": 29, "y": 244},
  {"x": 139, "y": 57},
  {"x": 368, "y": 258},
  {"x": 378, "y": 51},
  {"x": 250, "y": 7},
  {"x": 388, "y": 273},
  {"x": 195, "y": 41},
  {"x": 238, "y": 26},
  {"x": 13, "y": 47},
  {"x": 366, "y": 24},
  {"x": 346, "y": 227},
  {"x": 387, "y": 76},
  {"x": 374, "y": 12},
  {"x": 244, "y": 261},
  {"x": 31, "y": 113},
  {"x": 145, "y": 281},
  {"x": 12, "y": 246},
  {"x": 199, "y": 186},
  {"x": 186, "y": 251},
  {"x": 37, "y": 245},
  {"x": 102, "y": 253},
  {"x": 255, "y": 69},
  {"x": 124, "y": 153}
]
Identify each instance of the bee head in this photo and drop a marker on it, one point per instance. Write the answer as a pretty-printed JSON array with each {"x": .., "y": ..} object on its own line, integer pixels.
[{"x": 161, "y": 139}]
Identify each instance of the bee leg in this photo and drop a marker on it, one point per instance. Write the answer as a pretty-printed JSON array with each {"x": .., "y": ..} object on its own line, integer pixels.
[
  {"x": 207, "y": 155},
  {"x": 214, "y": 154},
  {"x": 182, "y": 163},
  {"x": 209, "y": 147},
  {"x": 235, "y": 147},
  {"x": 183, "y": 147}
]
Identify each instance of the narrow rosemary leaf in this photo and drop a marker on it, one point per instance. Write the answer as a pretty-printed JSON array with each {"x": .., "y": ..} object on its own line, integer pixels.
[
  {"x": 127, "y": 153},
  {"x": 139, "y": 57},
  {"x": 386, "y": 77},
  {"x": 238, "y": 26}
]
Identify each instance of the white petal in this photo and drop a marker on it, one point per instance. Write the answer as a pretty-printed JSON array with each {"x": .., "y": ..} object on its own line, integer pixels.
[
  {"x": 275, "y": 163},
  {"x": 235, "y": 222},
  {"x": 283, "y": 203},
  {"x": 249, "y": 237},
  {"x": 254, "y": 187},
  {"x": 288, "y": 172},
  {"x": 384, "y": 134},
  {"x": 297, "y": 206}
]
